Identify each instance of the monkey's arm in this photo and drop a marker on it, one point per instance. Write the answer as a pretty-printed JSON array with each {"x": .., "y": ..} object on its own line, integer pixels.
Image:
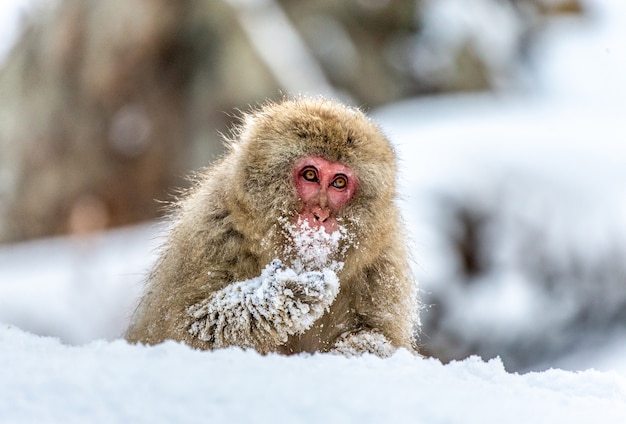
[
  {"x": 262, "y": 312},
  {"x": 386, "y": 309}
]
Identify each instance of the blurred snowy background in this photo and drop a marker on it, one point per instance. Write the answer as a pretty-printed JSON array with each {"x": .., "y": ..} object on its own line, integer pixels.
[{"x": 508, "y": 117}]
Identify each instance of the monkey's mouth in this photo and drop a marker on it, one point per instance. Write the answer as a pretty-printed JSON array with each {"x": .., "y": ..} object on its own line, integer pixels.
[{"x": 317, "y": 219}]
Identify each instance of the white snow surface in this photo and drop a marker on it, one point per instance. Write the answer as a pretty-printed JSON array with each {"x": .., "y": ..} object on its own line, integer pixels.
[
  {"x": 565, "y": 140},
  {"x": 44, "y": 381}
]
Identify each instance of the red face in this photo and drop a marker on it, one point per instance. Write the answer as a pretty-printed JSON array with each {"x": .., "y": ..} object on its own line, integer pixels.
[{"x": 323, "y": 187}]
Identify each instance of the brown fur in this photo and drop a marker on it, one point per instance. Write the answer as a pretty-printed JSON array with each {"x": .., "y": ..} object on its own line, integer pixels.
[{"x": 227, "y": 230}]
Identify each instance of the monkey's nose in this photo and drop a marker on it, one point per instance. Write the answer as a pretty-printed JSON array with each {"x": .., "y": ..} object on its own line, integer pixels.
[{"x": 321, "y": 214}]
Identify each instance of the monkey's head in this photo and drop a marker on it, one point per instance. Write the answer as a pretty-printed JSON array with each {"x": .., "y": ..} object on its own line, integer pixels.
[{"x": 315, "y": 162}]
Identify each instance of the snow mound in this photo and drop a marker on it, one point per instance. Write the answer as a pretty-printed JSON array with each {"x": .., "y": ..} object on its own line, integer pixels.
[{"x": 44, "y": 381}]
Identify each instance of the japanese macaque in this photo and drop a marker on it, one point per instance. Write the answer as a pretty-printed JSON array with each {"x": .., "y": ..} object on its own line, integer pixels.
[{"x": 291, "y": 243}]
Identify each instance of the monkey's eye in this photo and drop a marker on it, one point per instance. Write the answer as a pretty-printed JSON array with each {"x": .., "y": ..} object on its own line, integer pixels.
[
  {"x": 309, "y": 174},
  {"x": 341, "y": 181}
]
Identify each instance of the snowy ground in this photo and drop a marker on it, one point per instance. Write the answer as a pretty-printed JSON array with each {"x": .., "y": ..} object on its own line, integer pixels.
[
  {"x": 43, "y": 381},
  {"x": 563, "y": 142}
]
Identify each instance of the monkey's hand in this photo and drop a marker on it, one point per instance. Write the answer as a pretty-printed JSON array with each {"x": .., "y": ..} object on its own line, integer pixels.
[
  {"x": 263, "y": 312},
  {"x": 364, "y": 341}
]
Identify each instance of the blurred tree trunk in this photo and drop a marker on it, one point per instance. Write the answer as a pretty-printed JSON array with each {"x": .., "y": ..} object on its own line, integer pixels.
[
  {"x": 91, "y": 116},
  {"x": 358, "y": 43},
  {"x": 104, "y": 105}
]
